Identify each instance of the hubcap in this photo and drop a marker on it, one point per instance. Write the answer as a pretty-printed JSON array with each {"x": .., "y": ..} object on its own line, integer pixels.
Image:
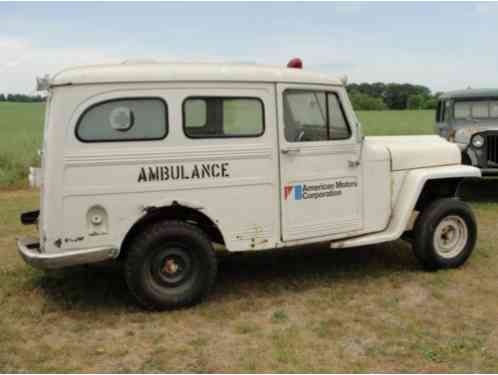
[
  {"x": 170, "y": 267},
  {"x": 450, "y": 237}
]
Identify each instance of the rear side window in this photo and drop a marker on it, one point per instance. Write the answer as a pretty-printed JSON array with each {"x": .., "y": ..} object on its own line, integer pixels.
[
  {"x": 214, "y": 117},
  {"x": 134, "y": 119}
]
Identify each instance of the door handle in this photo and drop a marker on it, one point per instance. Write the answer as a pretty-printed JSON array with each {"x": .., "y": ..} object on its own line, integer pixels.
[
  {"x": 290, "y": 150},
  {"x": 353, "y": 163}
]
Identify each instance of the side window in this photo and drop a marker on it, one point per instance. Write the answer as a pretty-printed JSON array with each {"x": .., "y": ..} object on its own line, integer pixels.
[
  {"x": 136, "y": 119},
  {"x": 442, "y": 111},
  {"x": 213, "y": 117},
  {"x": 439, "y": 111},
  {"x": 196, "y": 113},
  {"x": 446, "y": 110},
  {"x": 338, "y": 128},
  {"x": 313, "y": 116}
]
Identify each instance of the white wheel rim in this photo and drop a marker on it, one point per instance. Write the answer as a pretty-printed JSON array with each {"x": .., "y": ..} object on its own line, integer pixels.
[{"x": 450, "y": 237}]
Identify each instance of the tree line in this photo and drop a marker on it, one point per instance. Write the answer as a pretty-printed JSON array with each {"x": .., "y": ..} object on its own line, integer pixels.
[
  {"x": 21, "y": 98},
  {"x": 396, "y": 96},
  {"x": 376, "y": 96}
]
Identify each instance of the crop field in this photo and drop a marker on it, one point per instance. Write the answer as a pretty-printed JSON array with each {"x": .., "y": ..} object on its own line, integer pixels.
[{"x": 311, "y": 309}]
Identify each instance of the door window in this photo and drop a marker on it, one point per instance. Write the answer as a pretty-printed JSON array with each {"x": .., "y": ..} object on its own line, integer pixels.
[{"x": 313, "y": 116}]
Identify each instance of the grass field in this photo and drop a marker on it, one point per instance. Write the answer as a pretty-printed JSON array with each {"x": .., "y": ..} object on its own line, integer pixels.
[
  {"x": 21, "y": 126},
  {"x": 310, "y": 309}
]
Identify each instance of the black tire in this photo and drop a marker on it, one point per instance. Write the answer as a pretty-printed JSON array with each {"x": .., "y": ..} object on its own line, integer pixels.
[
  {"x": 443, "y": 223},
  {"x": 170, "y": 264}
]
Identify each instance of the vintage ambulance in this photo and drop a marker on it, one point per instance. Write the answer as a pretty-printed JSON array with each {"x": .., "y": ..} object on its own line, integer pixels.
[{"x": 159, "y": 166}]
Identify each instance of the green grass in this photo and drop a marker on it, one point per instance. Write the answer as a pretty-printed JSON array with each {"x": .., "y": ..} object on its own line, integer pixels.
[
  {"x": 369, "y": 309},
  {"x": 397, "y": 122},
  {"x": 21, "y": 128}
]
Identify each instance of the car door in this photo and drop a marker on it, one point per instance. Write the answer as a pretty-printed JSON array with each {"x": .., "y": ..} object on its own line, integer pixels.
[{"x": 320, "y": 174}]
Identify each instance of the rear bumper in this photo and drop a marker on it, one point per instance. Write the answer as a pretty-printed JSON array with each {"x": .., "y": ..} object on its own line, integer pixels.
[{"x": 29, "y": 249}]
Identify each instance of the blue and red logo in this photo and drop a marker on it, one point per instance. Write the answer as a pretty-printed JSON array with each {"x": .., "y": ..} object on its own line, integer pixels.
[{"x": 296, "y": 189}]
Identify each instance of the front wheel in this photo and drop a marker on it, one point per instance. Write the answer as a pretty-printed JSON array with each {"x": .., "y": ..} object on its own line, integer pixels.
[{"x": 445, "y": 234}]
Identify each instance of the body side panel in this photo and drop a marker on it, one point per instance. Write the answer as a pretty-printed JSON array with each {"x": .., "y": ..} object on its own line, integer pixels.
[{"x": 405, "y": 204}]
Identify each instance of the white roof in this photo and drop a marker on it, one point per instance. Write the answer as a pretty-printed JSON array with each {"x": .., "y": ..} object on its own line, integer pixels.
[{"x": 162, "y": 72}]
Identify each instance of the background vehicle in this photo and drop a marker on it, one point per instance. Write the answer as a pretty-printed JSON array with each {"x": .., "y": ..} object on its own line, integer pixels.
[
  {"x": 470, "y": 119},
  {"x": 153, "y": 164}
]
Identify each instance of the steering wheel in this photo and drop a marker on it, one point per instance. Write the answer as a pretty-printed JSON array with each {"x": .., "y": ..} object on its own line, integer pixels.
[{"x": 300, "y": 136}]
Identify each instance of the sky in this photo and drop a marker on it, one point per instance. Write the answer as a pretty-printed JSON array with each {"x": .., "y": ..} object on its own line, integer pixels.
[{"x": 443, "y": 46}]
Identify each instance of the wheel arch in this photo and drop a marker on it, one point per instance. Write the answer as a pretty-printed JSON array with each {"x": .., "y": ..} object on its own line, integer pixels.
[
  {"x": 188, "y": 212},
  {"x": 437, "y": 188},
  {"x": 408, "y": 198}
]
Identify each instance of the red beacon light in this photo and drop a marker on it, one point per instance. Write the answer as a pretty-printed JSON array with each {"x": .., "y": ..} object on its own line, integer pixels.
[{"x": 295, "y": 63}]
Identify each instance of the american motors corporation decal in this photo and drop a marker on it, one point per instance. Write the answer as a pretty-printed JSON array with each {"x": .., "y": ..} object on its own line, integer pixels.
[{"x": 317, "y": 191}]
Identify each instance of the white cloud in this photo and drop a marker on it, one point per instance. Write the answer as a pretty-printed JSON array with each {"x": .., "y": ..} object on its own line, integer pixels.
[
  {"x": 21, "y": 62},
  {"x": 363, "y": 57},
  {"x": 487, "y": 9}
]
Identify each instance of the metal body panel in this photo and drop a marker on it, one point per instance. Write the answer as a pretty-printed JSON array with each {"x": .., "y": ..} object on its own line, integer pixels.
[
  {"x": 27, "y": 248},
  {"x": 186, "y": 72},
  {"x": 244, "y": 205},
  {"x": 92, "y": 194},
  {"x": 405, "y": 204},
  {"x": 462, "y": 130}
]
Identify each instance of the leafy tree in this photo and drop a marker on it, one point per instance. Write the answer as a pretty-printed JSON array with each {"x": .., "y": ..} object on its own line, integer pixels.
[
  {"x": 415, "y": 102},
  {"x": 24, "y": 98},
  {"x": 364, "y": 102},
  {"x": 2, "y": 97},
  {"x": 394, "y": 95},
  {"x": 430, "y": 103}
]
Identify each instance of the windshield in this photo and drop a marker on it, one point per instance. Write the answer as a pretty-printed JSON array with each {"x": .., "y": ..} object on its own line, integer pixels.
[{"x": 476, "y": 109}]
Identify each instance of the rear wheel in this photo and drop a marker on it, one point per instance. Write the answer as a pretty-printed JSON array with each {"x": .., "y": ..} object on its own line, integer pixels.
[
  {"x": 170, "y": 264},
  {"x": 445, "y": 234}
]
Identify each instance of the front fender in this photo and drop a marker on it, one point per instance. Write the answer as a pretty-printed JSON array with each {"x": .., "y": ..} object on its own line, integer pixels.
[{"x": 407, "y": 198}]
